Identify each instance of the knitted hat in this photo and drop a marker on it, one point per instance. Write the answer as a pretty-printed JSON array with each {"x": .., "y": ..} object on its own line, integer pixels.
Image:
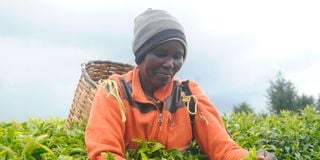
[{"x": 152, "y": 28}]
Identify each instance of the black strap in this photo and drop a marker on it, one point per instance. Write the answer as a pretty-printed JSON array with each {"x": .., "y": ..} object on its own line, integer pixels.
[{"x": 187, "y": 91}]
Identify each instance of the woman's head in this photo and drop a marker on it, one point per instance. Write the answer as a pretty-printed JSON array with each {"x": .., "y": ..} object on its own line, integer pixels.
[
  {"x": 161, "y": 64},
  {"x": 159, "y": 46},
  {"x": 152, "y": 28}
]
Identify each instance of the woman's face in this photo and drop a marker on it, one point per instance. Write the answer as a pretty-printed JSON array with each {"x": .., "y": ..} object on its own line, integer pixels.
[{"x": 161, "y": 64}]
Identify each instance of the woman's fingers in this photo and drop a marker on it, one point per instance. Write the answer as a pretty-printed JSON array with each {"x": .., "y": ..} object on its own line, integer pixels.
[{"x": 265, "y": 155}]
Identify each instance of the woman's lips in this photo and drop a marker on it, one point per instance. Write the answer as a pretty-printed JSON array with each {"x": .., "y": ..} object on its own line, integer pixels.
[{"x": 165, "y": 75}]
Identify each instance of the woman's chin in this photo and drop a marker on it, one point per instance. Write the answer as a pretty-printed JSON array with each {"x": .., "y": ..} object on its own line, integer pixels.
[
  {"x": 161, "y": 83},
  {"x": 166, "y": 81}
]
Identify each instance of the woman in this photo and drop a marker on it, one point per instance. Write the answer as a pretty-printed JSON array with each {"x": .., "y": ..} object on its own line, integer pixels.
[{"x": 147, "y": 102}]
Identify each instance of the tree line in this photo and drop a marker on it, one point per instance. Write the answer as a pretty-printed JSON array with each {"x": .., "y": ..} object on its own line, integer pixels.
[{"x": 282, "y": 95}]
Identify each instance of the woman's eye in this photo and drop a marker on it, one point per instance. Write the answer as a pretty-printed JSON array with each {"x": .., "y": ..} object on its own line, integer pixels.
[
  {"x": 177, "y": 57},
  {"x": 161, "y": 55}
]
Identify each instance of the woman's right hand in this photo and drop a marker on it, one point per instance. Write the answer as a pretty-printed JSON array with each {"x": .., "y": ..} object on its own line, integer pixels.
[{"x": 265, "y": 155}]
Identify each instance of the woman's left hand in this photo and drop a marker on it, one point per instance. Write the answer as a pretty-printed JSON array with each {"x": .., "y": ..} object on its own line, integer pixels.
[{"x": 265, "y": 155}]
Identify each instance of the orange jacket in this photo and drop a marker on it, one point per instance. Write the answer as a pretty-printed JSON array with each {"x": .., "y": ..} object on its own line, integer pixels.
[{"x": 112, "y": 125}]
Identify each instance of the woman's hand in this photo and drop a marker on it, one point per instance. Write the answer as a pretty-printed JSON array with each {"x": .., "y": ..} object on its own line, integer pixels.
[{"x": 265, "y": 155}]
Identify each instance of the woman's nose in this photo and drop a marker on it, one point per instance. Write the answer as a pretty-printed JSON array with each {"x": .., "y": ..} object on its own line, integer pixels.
[{"x": 169, "y": 63}]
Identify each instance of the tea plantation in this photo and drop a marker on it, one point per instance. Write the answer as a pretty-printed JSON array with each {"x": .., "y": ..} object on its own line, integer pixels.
[{"x": 288, "y": 135}]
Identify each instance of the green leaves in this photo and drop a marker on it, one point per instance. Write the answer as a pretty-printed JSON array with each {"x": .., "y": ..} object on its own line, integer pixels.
[
  {"x": 148, "y": 150},
  {"x": 152, "y": 150},
  {"x": 108, "y": 156},
  {"x": 38, "y": 139},
  {"x": 288, "y": 135},
  {"x": 252, "y": 154}
]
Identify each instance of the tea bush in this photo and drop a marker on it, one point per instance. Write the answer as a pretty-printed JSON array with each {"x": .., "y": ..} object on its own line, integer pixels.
[{"x": 288, "y": 135}]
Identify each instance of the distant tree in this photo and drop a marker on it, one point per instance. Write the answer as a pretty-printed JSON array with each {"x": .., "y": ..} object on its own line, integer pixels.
[
  {"x": 281, "y": 95},
  {"x": 303, "y": 100},
  {"x": 318, "y": 103},
  {"x": 242, "y": 107},
  {"x": 263, "y": 114}
]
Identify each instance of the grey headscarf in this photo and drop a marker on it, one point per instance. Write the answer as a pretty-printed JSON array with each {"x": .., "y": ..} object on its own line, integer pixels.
[{"x": 153, "y": 27}]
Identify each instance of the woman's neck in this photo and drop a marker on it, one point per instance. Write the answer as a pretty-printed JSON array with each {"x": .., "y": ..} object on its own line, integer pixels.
[{"x": 147, "y": 89}]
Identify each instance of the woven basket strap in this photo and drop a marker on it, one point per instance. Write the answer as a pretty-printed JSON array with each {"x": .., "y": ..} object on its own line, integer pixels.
[
  {"x": 86, "y": 76},
  {"x": 187, "y": 91}
]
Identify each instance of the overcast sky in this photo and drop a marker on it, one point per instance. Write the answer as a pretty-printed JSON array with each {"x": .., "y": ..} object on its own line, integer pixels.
[{"x": 235, "y": 48}]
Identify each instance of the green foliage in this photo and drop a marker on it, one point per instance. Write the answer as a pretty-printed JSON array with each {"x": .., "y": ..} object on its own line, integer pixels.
[
  {"x": 194, "y": 152},
  {"x": 281, "y": 95},
  {"x": 288, "y": 135},
  {"x": 152, "y": 150},
  {"x": 156, "y": 151},
  {"x": 108, "y": 156},
  {"x": 303, "y": 100},
  {"x": 242, "y": 107},
  {"x": 318, "y": 103},
  {"x": 38, "y": 139},
  {"x": 252, "y": 154}
]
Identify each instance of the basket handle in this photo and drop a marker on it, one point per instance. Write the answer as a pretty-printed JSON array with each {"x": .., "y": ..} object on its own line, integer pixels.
[{"x": 87, "y": 77}]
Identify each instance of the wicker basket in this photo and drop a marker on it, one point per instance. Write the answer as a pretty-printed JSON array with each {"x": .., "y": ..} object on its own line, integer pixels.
[{"x": 92, "y": 72}]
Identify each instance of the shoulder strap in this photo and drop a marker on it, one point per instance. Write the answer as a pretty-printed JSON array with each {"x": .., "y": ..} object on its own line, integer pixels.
[{"x": 187, "y": 91}]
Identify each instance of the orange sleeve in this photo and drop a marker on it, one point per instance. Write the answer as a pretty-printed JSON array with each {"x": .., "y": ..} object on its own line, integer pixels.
[
  {"x": 105, "y": 130},
  {"x": 210, "y": 132}
]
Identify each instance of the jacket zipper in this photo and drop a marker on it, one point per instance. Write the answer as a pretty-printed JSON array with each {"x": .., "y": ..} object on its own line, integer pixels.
[
  {"x": 156, "y": 103},
  {"x": 159, "y": 127},
  {"x": 160, "y": 119},
  {"x": 159, "y": 115}
]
